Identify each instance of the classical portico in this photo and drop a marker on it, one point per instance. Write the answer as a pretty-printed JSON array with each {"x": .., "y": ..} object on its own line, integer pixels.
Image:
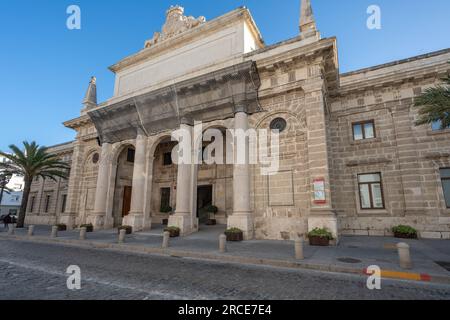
[{"x": 229, "y": 93}]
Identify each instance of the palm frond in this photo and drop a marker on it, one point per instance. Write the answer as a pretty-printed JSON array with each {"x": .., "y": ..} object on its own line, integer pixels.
[{"x": 434, "y": 105}]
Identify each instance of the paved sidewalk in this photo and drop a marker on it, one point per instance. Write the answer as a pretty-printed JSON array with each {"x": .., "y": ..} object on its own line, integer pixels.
[{"x": 352, "y": 255}]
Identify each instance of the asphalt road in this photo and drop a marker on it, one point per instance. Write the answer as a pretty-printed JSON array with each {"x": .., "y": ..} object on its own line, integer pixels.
[{"x": 38, "y": 271}]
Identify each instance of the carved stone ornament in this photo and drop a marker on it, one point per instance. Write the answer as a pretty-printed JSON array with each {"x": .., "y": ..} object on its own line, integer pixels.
[{"x": 176, "y": 23}]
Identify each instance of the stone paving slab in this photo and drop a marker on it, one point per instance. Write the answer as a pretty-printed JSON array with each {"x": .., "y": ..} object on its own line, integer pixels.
[{"x": 362, "y": 251}]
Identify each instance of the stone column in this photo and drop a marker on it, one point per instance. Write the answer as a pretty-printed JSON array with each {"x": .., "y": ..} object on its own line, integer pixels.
[
  {"x": 242, "y": 214},
  {"x": 321, "y": 213},
  {"x": 135, "y": 218},
  {"x": 182, "y": 217},
  {"x": 148, "y": 192},
  {"x": 101, "y": 194}
]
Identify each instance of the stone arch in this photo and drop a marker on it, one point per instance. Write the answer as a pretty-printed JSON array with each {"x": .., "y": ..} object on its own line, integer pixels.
[
  {"x": 301, "y": 120},
  {"x": 121, "y": 182},
  {"x": 162, "y": 176},
  {"x": 215, "y": 181},
  {"x": 156, "y": 141},
  {"x": 118, "y": 148}
]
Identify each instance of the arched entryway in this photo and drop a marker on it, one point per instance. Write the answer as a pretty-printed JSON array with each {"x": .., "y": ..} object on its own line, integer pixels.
[
  {"x": 123, "y": 182},
  {"x": 214, "y": 180},
  {"x": 163, "y": 198}
]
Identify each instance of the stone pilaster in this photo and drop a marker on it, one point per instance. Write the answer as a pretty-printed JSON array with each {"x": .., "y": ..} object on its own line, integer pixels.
[
  {"x": 98, "y": 217},
  {"x": 321, "y": 213},
  {"x": 136, "y": 215},
  {"x": 148, "y": 193},
  {"x": 242, "y": 214},
  {"x": 74, "y": 189}
]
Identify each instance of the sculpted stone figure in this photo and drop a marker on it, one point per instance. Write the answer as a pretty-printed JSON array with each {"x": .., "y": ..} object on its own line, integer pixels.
[{"x": 176, "y": 23}]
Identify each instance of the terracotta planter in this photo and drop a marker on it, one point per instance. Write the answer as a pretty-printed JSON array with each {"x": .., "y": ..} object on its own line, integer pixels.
[
  {"x": 173, "y": 233},
  {"x": 211, "y": 222},
  {"x": 62, "y": 227},
  {"x": 232, "y": 236},
  {"x": 319, "y": 241},
  {"x": 128, "y": 229},
  {"x": 165, "y": 222},
  {"x": 405, "y": 235}
]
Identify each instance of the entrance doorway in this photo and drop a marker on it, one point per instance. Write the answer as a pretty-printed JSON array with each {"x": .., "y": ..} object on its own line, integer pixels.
[
  {"x": 204, "y": 200},
  {"x": 126, "y": 207}
]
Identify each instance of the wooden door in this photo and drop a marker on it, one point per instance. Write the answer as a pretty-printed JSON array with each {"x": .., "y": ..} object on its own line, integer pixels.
[{"x": 126, "y": 201}]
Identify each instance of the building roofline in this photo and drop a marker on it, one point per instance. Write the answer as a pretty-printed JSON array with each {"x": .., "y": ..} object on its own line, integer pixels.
[
  {"x": 166, "y": 45},
  {"x": 61, "y": 144},
  {"x": 397, "y": 62}
]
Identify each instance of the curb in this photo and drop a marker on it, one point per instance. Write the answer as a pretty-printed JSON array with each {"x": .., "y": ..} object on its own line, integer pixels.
[{"x": 386, "y": 274}]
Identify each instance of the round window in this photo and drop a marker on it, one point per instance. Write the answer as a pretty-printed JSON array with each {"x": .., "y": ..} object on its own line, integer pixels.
[
  {"x": 278, "y": 124},
  {"x": 95, "y": 158}
]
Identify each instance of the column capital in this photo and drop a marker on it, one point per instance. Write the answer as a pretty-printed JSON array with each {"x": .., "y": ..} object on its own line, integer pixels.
[
  {"x": 187, "y": 120},
  {"x": 240, "y": 107},
  {"x": 140, "y": 133}
]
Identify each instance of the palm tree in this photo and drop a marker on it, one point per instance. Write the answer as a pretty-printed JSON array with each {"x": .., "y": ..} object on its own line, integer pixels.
[
  {"x": 34, "y": 161},
  {"x": 5, "y": 177},
  {"x": 434, "y": 105}
]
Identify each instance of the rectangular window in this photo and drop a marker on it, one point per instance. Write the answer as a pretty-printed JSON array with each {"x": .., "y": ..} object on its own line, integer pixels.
[
  {"x": 167, "y": 159},
  {"x": 130, "y": 155},
  {"x": 63, "y": 205},
  {"x": 165, "y": 198},
  {"x": 47, "y": 203},
  {"x": 437, "y": 126},
  {"x": 364, "y": 130},
  {"x": 33, "y": 198},
  {"x": 445, "y": 178},
  {"x": 370, "y": 191}
]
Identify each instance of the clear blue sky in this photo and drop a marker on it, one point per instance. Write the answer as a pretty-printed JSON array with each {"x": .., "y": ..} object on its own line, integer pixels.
[{"x": 45, "y": 68}]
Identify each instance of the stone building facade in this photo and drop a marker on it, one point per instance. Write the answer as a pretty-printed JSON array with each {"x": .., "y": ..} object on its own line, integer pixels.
[{"x": 350, "y": 157}]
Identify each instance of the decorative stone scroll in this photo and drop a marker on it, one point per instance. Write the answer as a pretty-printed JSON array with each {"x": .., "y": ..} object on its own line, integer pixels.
[{"x": 176, "y": 23}]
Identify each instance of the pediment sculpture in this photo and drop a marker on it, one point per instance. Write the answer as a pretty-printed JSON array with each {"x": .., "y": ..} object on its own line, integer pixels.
[{"x": 176, "y": 23}]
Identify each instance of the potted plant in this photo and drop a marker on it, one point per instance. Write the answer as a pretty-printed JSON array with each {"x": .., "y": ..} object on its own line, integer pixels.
[
  {"x": 320, "y": 237},
  {"x": 234, "y": 234},
  {"x": 166, "y": 209},
  {"x": 89, "y": 227},
  {"x": 129, "y": 229},
  {"x": 404, "y": 232},
  {"x": 212, "y": 210},
  {"x": 174, "y": 231},
  {"x": 61, "y": 227}
]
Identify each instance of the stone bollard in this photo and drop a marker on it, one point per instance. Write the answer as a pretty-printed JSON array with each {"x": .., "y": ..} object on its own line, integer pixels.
[
  {"x": 122, "y": 235},
  {"x": 404, "y": 255},
  {"x": 166, "y": 237},
  {"x": 83, "y": 233},
  {"x": 299, "y": 244},
  {"x": 30, "y": 231},
  {"x": 54, "y": 232},
  {"x": 11, "y": 229},
  {"x": 222, "y": 243}
]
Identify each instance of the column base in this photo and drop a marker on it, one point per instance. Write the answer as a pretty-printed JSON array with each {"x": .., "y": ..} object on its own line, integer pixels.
[
  {"x": 323, "y": 218},
  {"x": 97, "y": 220},
  {"x": 184, "y": 223},
  {"x": 134, "y": 220},
  {"x": 243, "y": 222}
]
